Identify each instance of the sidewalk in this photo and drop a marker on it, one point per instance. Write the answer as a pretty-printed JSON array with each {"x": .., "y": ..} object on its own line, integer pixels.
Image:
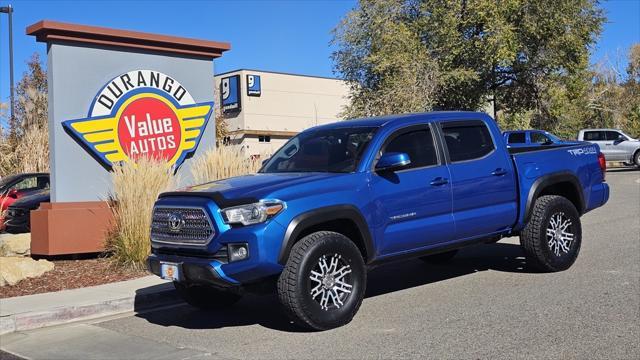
[{"x": 41, "y": 310}]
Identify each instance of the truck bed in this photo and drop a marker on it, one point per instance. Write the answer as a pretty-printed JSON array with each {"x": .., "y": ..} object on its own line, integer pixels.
[{"x": 578, "y": 162}]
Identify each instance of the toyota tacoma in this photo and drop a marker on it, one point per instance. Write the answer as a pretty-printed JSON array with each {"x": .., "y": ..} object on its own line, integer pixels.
[{"x": 339, "y": 199}]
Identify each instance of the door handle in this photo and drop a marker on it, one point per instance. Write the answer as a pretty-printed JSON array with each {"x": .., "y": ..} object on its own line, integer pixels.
[
  {"x": 439, "y": 181},
  {"x": 499, "y": 172}
]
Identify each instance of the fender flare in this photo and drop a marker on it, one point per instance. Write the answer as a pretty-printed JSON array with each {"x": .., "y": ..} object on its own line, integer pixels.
[
  {"x": 548, "y": 180},
  {"x": 317, "y": 216}
]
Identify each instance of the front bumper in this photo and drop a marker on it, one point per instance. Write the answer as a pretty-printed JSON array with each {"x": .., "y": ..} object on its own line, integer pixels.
[
  {"x": 194, "y": 271},
  {"x": 205, "y": 264},
  {"x": 17, "y": 224}
]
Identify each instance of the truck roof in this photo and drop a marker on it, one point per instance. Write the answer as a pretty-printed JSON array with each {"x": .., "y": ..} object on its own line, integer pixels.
[
  {"x": 601, "y": 129},
  {"x": 379, "y": 121}
]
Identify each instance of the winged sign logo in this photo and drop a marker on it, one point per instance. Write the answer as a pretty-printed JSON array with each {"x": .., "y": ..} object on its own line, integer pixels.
[{"x": 141, "y": 113}]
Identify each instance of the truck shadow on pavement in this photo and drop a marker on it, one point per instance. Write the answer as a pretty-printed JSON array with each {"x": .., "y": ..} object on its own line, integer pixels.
[{"x": 265, "y": 310}]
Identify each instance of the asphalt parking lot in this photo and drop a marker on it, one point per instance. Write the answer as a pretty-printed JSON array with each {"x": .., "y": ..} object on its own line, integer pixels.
[{"x": 487, "y": 303}]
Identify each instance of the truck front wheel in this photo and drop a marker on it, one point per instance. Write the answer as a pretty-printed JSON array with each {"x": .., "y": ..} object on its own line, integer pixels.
[
  {"x": 323, "y": 282},
  {"x": 205, "y": 297},
  {"x": 552, "y": 237}
]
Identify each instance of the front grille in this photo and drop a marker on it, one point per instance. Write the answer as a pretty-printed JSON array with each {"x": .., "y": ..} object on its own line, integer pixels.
[
  {"x": 15, "y": 212},
  {"x": 181, "y": 225}
]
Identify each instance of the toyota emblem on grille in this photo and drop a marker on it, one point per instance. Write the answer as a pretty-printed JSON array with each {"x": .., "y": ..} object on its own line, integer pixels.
[{"x": 176, "y": 222}]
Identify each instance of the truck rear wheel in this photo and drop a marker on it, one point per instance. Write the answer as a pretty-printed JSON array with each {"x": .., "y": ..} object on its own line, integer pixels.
[
  {"x": 553, "y": 235},
  {"x": 206, "y": 297},
  {"x": 323, "y": 282}
]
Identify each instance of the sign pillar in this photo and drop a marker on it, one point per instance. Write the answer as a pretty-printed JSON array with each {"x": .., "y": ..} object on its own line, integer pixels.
[{"x": 114, "y": 96}]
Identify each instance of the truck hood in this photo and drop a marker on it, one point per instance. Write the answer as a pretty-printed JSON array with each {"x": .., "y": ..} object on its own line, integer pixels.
[
  {"x": 249, "y": 188},
  {"x": 32, "y": 200}
]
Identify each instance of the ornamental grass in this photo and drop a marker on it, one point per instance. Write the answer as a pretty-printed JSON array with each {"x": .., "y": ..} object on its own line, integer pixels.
[
  {"x": 222, "y": 162},
  {"x": 136, "y": 186}
]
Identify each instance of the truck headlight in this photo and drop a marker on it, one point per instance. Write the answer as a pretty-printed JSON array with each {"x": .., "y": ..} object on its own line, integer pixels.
[{"x": 252, "y": 213}]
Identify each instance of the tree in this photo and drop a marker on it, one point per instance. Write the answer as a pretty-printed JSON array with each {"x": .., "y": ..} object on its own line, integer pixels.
[
  {"x": 383, "y": 59},
  {"x": 24, "y": 146},
  {"x": 31, "y": 99},
  {"x": 515, "y": 52},
  {"x": 632, "y": 92}
]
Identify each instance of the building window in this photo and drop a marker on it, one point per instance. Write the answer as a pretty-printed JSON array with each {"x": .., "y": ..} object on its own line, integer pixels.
[{"x": 264, "y": 138}]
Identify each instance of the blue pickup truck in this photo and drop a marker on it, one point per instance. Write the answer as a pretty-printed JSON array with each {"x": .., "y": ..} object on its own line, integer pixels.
[{"x": 341, "y": 198}]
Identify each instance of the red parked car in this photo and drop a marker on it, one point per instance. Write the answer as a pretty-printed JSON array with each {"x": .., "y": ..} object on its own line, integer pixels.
[{"x": 14, "y": 187}]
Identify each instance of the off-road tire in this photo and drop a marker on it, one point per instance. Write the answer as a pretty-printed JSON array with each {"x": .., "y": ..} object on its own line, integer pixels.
[
  {"x": 533, "y": 237},
  {"x": 441, "y": 258},
  {"x": 295, "y": 286},
  {"x": 205, "y": 297}
]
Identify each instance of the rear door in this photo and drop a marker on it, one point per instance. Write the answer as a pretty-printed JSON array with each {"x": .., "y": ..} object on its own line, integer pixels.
[
  {"x": 414, "y": 202},
  {"x": 482, "y": 178},
  {"x": 598, "y": 137}
]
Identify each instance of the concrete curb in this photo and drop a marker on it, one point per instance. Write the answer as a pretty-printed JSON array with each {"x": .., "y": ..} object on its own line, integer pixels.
[{"x": 139, "y": 300}]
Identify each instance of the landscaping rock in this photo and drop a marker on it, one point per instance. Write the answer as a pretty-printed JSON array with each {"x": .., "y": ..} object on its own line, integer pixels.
[
  {"x": 14, "y": 269},
  {"x": 15, "y": 244}
]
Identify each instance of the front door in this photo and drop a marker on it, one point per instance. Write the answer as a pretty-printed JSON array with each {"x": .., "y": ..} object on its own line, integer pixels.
[
  {"x": 616, "y": 145},
  {"x": 414, "y": 203}
]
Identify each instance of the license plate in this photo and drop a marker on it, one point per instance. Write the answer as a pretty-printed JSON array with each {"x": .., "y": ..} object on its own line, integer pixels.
[{"x": 170, "y": 271}]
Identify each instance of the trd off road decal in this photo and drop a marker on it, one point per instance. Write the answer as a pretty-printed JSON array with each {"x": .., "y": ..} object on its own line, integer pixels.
[
  {"x": 141, "y": 113},
  {"x": 583, "y": 151}
]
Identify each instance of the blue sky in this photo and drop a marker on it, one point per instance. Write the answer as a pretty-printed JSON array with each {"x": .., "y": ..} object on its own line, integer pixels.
[{"x": 288, "y": 36}]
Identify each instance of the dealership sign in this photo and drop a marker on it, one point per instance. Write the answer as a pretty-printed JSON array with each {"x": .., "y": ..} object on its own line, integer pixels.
[{"x": 142, "y": 113}]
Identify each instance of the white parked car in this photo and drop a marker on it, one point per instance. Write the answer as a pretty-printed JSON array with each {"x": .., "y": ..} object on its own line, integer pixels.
[{"x": 614, "y": 144}]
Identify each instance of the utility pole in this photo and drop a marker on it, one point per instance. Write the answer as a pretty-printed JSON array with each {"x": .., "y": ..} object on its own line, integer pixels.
[{"x": 9, "y": 11}]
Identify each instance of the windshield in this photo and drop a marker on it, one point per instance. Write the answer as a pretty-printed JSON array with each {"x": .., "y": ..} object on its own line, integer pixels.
[
  {"x": 629, "y": 137},
  {"x": 322, "y": 150},
  {"x": 553, "y": 137},
  {"x": 6, "y": 181}
]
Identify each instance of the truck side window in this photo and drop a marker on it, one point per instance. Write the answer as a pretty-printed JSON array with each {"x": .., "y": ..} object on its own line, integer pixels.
[
  {"x": 539, "y": 138},
  {"x": 517, "y": 138},
  {"x": 26, "y": 184},
  {"x": 467, "y": 140},
  {"x": 43, "y": 182},
  {"x": 418, "y": 145},
  {"x": 594, "y": 136},
  {"x": 612, "y": 135}
]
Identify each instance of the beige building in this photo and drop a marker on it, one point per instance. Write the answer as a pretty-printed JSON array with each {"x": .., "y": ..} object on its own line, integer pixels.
[{"x": 264, "y": 109}]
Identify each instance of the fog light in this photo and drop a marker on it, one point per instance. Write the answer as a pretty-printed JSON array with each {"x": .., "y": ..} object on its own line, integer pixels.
[{"x": 238, "y": 252}]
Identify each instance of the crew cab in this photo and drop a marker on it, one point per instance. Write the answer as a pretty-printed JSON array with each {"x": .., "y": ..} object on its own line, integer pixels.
[
  {"x": 614, "y": 144},
  {"x": 341, "y": 198}
]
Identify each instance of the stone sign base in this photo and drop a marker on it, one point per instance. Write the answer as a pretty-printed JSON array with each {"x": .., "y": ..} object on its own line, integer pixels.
[{"x": 63, "y": 228}]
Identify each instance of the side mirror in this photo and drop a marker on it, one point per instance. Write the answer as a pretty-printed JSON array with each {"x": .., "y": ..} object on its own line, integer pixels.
[
  {"x": 13, "y": 193},
  {"x": 392, "y": 161},
  {"x": 265, "y": 161},
  {"x": 619, "y": 140}
]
